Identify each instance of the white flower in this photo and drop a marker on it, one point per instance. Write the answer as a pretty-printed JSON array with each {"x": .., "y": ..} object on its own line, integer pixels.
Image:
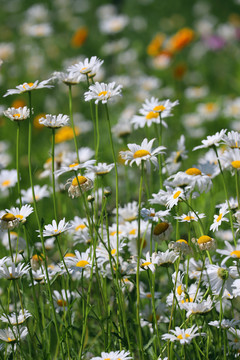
[
  {"x": 138, "y": 153},
  {"x": 17, "y": 114},
  {"x": 218, "y": 278},
  {"x": 218, "y": 219},
  {"x": 236, "y": 287},
  {"x": 12, "y": 272},
  {"x": 184, "y": 336},
  {"x": 197, "y": 308},
  {"x": 174, "y": 197},
  {"x": 88, "y": 66},
  {"x": 192, "y": 178},
  {"x": 28, "y": 87},
  {"x": 22, "y": 213},
  {"x": 74, "y": 167},
  {"x": 114, "y": 355},
  {"x": 212, "y": 140},
  {"x": 101, "y": 168},
  {"x": 54, "y": 121},
  {"x": 56, "y": 229},
  {"x": 231, "y": 159},
  {"x": 149, "y": 262},
  {"x": 190, "y": 216},
  {"x": 8, "y": 179},
  {"x": 166, "y": 258},
  {"x": 151, "y": 214},
  {"x": 114, "y": 24},
  {"x": 232, "y": 139},
  {"x": 128, "y": 212},
  {"x": 208, "y": 111},
  {"x": 68, "y": 78},
  {"x": 225, "y": 323},
  {"x": 40, "y": 193},
  {"x": 80, "y": 261},
  {"x": 11, "y": 335},
  {"x": 62, "y": 299},
  {"x": 79, "y": 185},
  {"x": 102, "y": 92},
  {"x": 162, "y": 108},
  {"x": 16, "y": 319},
  {"x": 8, "y": 221},
  {"x": 230, "y": 251}
]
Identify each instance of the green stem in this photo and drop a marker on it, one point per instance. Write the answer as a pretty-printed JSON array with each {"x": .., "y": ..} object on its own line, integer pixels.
[
  {"x": 97, "y": 132},
  {"x": 72, "y": 122},
  {"x": 17, "y": 163},
  {"x": 237, "y": 187},
  {"x": 53, "y": 176}
]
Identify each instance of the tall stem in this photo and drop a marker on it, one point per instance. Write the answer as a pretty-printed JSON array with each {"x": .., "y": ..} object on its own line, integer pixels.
[
  {"x": 17, "y": 163},
  {"x": 72, "y": 122},
  {"x": 53, "y": 176}
]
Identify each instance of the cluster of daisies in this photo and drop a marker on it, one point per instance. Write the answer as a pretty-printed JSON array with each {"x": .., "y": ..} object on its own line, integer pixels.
[{"x": 165, "y": 273}]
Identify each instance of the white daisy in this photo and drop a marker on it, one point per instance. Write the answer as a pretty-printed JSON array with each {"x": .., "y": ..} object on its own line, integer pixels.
[
  {"x": 22, "y": 213},
  {"x": 184, "y": 336},
  {"x": 62, "y": 299},
  {"x": 138, "y": 153},
  {"x": 160, "y": 107},
  {"x": 151, "y": 214},
  {"x": 149, "y": 262},
  {"x": 8, "y": 179},
  {"x": 231, "y": 159},
  {"x": 101, "y": 168},
  {"x": 166, "y": 258},
  {"x": 232, "y": 139},
  {"x": 29, "y": 87},
  {"x": 218, "y": 278},
  {"x": 40, "y": 193},
  {"x": 13, "y": 334},
  {"x": 17, "y": 114},
  {"x": 213, "y": 140},
  {"x": 16, "y": 319},
  {"x": 54, "y": 121},
  {"x": 197, "y": 307},
  {"x": 128, "y": 212},
  {"x": 176, "y": 195},
  {"x": 225, "y": 323},
  {"x": 74, "y": 167},
  {"x": 8, "y": 221},
  {"x": 113, "y": 355},
  {"x": 55, "y": 229},
  {"x": 85, "y": 67},
  {"x": 218, "y": 219},
  {"x": 229, "y": 251},
  {"x": 190, "y": 216},
  {"x": 80, "y": 261},
  {"x": 79, "y": 185},
  {"x": 11, "y": 271},
  {"x": 68, "y": 78},
  {"x": 102, "y": 92}
]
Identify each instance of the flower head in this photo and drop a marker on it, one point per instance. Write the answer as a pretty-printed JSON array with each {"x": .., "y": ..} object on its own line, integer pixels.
[
  {"x": 17, "y": 114},
  {"x": 212, "y": 140},
  {"x": 22, "y": 213},
  {"x": 184, "y": 336},
  {"x": 55, "y": 229},
  {"x": 79, "y": 185},
  {"x": 87, "y": 67},
  {"x": 54, "y": 121},
  {"x": 102, "y": 92},
  {"x": 25, "y": 87}
]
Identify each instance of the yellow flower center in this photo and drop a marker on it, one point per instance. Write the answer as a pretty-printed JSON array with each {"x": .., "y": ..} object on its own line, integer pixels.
[
  {"x": 179, "y": 290},
  {"x": 80, "y": 179},
  {"x": 236, "y": 253},
  {"x": 29, "y": 84},
  {"x": 61, "y": 302},
  {"x": 9, "y": 339},
  {"x": 236, "y": 164},
  {"x": 102, "y": 93},
  {"x": 179, "y": 337},
  {"x": 159, "y": 108},
  {"x": 219, "y": 217},
  {"x": 146, "y": 263},
  {"x": 188, "y": 218},
  {"x": 187, "y": 335},
  {"x": 204, "y": 239},
  {"x": 17, "y": 115},
  {"x": 210, "y": 107},
  {"x": 73, "y": 165},
  {"x": 182, "y": 241},
  {"x": 160, "y": 228},
  {"x": 149, "y": 296},
  {"x": 151, "y": 115},
  {"x": 107, "y": 359},
  {"x": 82, "y": 263},
  {"x": 141, "y": 153},
  {"x": 81, "y": 226},
  {"x": 69, "y": 255},
  {"x": 8, "y": 217},
  {"x": 6, "y": 183},
  {"x": 132, "y": 232},
  {"x": 113, "y": 252},
  {"x": 114, "y": 233},
  {"x": 177, "y": 193},
  {"x": 193, "y": 171},
  {"x": 19, "y": 217}
]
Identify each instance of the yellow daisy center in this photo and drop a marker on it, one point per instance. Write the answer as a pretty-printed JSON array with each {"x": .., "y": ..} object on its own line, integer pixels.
[
  {"x": 193, "y": 171},
  {"x": 210, "y": 107},
  {"x": 179, "y": 290},
  {"x": 61, "y": 303},
  {"x": 182, "y": 241},
  {"x": 80, "y": 179},
  {"x": 219, "y": 217},
  {"x": 236, "y": 164},
  {"x": 149, "y": 296},
  {"x": 81, "y": 226},
  {"x": 9, "y": 339},
  {"x": 204, "y": 239},
  {"x": 160, "y": 228},
  {"x": 17, "y": 115},
  {"x": 177, "y": 193},
  {"x": 146, "y": 263},
  {"x": 6, "y": 183},
  {"x": 8, "y": 217},
  {"x": 69, "y": 255},
  {"x": 187, "y": 335},
  {"x": 159, "y": 108},
  {"x": 132, "y": 232},
  {"x": 236, "y": 253},
  {"x": 113, "y": 252},
  {"x": 151, "y": 115},
  {"x": 73, "y": 165},
  {"x": 82, "y": 263},
  {"x": 180, "y": 337},
  {"x": 188, "y": 218},
  {"x": 114, "y": 233},
  {"x": 19, "y": 216},
  {"x": 107, "y": 359},
  {"x": 141, "y": 153},
  {"x": 29, "y": 84},
  {"x": 102, "y": 93}
]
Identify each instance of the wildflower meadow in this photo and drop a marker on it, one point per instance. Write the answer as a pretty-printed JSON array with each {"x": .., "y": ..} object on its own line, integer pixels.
[{"x": 119, "y": 180}]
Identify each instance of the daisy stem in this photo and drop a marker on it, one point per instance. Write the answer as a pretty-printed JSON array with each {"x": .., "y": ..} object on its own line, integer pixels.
[
  {"x": 159, "y": 156},
  {"x": 237, "y": 187},
  {"x": 17, "y": 163},
  {"x": 71, "y": 120},
  {"x": 226, "y": 194},
  {"x": 116, "y": 176},
  {"x": 39, "y": 224},
  {"x": 97, "y": 132},
  {"x": 138, "y": 264},
  {"x": 10, "y": 245},
  {"x": 53, "y": 176},
  {"x": 92, "y": 117},
  {"x": 152, "y": 287}
]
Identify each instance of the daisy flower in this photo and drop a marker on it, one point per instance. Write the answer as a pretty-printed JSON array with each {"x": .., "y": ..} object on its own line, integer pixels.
[
  {"x": 225, "y": 323},
  {"x": 236, "y": 287},
  {"x": 102, "y": 92},
  {"x": 208, "y": 111},
  {"x": 180, "y": 245},
  {"x": 197, "y": 308},
  {"x": 218, "y": 278},
  {"x": 74, "y": 167},
  {"x": 68, "y": 78},
  {"x": 190, "y": 216},
  {"x": 83, "y": 182},
  {"x": 149, "y": 262},
  {"x": 176, "y": 195},
  {"x": 113, "y": 24},
  {"x": 54, "y": 121},
  {"x": 12, "y": 272},
  {"x": 162, "y": 231},
  {"x": 232, "y": 139},
  {"x": 192, "y": 178},
  {"x": 56, "y": 229},
  {"x": 101, "y": 168},
  {"x": 151, "y": 214},
  {"x": 14, "y": 334},
  {"x": 22, "y": 213},
  {"x": 205, "y": 242},
  {"x": 138, "y": 153},
  {"x": 218, "y": 219},
  {"x": 80, "y": 261},
  {"x": 8, "y": 221},
  {"x": 16, "y": 319},
  {"x": 231, "y": 159},
  {"x": 114, "y": 355},
  {"x": 184, "y": 336},
  {"x": 29, "y": 87},
  {"x": 85, "y": 67},
  {"x": 160, "y": 107},
  {"x": 17, "y": 114},
  {"x": 128, "y": 212},
  {"x": 8, "y": 179},
  {"x": 40, "y": 193},
  {"x": 213, "y": 140},
  {"x": 166, "y": 258},
  {"x": 229, "y": 251},
  {"x": 62, "y": 299}
]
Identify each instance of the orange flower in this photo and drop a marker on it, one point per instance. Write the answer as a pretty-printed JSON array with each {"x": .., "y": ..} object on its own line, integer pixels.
[
  {"x": 18, "y": 103},
  {"x": 65, "y": 133},
  {"x": 154, "y": 47},
  {"x": 181, "y": 39},
  {"x": 36, "y": 122},
  {"x": 79, "y": 37}
]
